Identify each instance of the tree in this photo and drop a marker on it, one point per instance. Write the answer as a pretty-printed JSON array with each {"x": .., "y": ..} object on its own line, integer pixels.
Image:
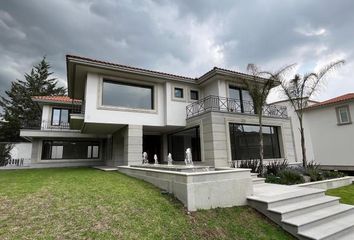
[
  {"x": 259, "y": 87},
  {"x": 300, "y": 89},
  {"x": 5, "y": 155},
  {"x": 18, "y": 107}
]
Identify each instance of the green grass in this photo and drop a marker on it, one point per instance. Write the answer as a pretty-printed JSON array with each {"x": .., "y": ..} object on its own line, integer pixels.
[
  {"x": 345, "y": 193},
  {"x": 83, "y": 203}
]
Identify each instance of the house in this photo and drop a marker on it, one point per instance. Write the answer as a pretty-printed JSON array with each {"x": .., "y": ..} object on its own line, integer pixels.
[
  {"x": 114, "y": 112},
  {"x": 332, "y": 132}
]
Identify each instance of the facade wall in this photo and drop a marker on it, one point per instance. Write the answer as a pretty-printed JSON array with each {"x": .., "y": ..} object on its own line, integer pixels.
[
  {"x": 21, "y": 150},
  {"x": 215, "y": 135},
  {"x": 333, "y": 144}
]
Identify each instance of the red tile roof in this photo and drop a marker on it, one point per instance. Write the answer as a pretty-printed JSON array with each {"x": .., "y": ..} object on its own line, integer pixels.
[
  {"x": 342, "y": 98},
  {"x": 57, "y": 99}
]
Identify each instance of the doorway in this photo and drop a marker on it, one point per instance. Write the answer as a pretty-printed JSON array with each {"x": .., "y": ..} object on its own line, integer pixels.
[{"x": 152, "y": 146}]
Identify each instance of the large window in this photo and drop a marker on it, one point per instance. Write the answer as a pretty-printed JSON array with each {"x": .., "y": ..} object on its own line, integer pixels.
[
  {"x": 178, "y": 143},
  {"x": 343, "y": 115},
  {"x": 60, "y": 116},
  {"x": 243, "y": 98},
  {"x": 245, "y": 141},
  {"x": 70, "y": 150},
  {"x": 127, "y": 95}
]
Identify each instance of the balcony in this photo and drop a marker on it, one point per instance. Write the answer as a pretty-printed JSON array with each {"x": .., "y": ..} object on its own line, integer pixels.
[
  {"x": 230, "y": 105},
  {"x": 46, "y": 126}
]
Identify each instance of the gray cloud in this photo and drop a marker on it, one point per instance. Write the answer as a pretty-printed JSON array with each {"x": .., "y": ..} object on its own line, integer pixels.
[{"x": 182, "y": 37}]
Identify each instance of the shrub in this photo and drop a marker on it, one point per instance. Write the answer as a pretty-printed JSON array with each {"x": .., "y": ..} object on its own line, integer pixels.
[
  {"x": 332, "y": 174},
  {"x": 290, "y": 176},
  {"x": 275, "y": 167},
  {"x": 253, "y": 164},
  {"x": 272, "y": 179},
  {"x": 5, "y": 156}
]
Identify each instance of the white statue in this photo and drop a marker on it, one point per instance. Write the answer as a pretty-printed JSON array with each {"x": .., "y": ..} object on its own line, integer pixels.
[
  {"x": 145, "y": 158},
  {"x": 169, "y": 159},
  {"x": 156, "y": 160},
  {"x": 188, "y": 159}
]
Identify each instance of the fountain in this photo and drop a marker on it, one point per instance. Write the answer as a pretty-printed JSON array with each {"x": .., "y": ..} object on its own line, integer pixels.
[
  {"x": 188, "y": 160},
  {"x": 169, "y": 159},
  {"x": 145, "y": 158},
  {"x": 156, "y": 160}
]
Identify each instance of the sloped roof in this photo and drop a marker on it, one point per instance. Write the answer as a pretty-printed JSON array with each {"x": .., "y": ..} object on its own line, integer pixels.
[
  {"x": 339, "y": 99},
  {"x": 56, "y": 99}
]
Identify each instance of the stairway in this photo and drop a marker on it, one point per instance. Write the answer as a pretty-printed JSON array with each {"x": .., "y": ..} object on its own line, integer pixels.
[
  {"x": 306, "y": 213},
  {"x": 256, "y": 180}
]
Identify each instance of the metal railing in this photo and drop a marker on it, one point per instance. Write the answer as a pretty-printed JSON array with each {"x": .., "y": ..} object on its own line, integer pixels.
[
  {"x": 222, "y": 104},
  {"x": 46, "y": 125}
]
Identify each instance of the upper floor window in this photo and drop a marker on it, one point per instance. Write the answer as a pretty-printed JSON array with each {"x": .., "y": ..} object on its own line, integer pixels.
[
  {"x": 127, "y": 95},
  {"x": 244, "y": 102},
  {"x": 194, "y": 95},
  {"x": 343, "y": 115},
  {"x": 60, "y": 116},
  {"x": 178, "y": 92}
]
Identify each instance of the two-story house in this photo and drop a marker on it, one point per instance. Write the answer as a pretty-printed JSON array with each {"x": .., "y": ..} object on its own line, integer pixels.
[{"x": 114, "y": 113}]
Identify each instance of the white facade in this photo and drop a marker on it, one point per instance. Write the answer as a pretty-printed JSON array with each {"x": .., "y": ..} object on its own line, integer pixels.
[{"x": 333, "y": 143}]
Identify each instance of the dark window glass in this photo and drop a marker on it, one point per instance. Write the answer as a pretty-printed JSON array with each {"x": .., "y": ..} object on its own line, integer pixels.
[
  {"x": 194, "y": 95},
  {"x": 178, "y": 92},
  {"x": 127, "y": 95},
  {"x": 180, "y": 141},
  {"x": 70, "y": 150},
  {"x": 60, "y": 116},
  {"x": 243, "y": 103},
  {"x": 245, "y": 141}
]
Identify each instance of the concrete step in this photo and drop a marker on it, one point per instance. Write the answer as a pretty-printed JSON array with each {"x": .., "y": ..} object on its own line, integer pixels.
[
  {"x": 294, "y": 196},
  {"x": 254, "y": 175},
  {"x": 295, "y": 209},
  {"x": 315, "y": 218},
  {"x": 339, "y": 229},
  {"x": 258, "y": 180}
]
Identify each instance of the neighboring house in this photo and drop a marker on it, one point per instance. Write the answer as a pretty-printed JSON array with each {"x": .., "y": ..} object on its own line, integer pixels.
[
  {"x": 332, "y": 132},
  {"x": 121, "y": 111},
  {"x": 295, "y": 125}
]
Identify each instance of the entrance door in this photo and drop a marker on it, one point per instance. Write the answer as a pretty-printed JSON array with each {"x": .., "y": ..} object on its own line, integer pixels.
[{"x": 152, "y": 146}]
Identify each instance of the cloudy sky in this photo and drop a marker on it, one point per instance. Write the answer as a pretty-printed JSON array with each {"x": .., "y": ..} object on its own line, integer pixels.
[{"x": 182, "y": 37}]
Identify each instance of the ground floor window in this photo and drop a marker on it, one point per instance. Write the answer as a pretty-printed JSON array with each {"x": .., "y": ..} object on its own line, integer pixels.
[
  {"x": 178, "y": 143},
  {"x": 67, "y": 149},
  {"x": 245, "y": 141}
]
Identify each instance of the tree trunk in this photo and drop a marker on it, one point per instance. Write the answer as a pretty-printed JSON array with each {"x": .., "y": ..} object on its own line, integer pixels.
[
  {"x": 303, "y": 147},
  {"x": 260, "y": 144}
]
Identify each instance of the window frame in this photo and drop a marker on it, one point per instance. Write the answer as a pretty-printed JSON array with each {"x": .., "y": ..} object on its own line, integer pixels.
[
  {"x": 60, "y": 110},
  {"x": 190, "y": 94},
  {"x": 239, "y": 89},
  {"x": 339, "y": 119},
  {"x": 127, "y": 83},
  {"x": 182, "y": 91}
]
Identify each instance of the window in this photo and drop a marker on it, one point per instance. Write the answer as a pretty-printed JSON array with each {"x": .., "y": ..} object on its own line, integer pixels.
[
  {"x": 60, "y": 116},
  {"x": 241, "y": 100},
  {"x": 127, "y": 95},
  {"x": 343, "y": 115},
  {"x": 178, "y": 143},
  {"x": 70, "y": 150},
  {"x": 194, "y": 95},
  {"x": 245, "y": 141},
  {"x": 178, "y": 93}
]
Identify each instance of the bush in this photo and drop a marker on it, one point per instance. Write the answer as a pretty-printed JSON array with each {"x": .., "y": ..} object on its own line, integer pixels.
[
  {"x": 332, "y": 174},
  {"x": 287, "y": 177},
  {"x": 253, "y": 164},
  {"x": 5, "y": 156},
  {"x": 275, "y": 167}
]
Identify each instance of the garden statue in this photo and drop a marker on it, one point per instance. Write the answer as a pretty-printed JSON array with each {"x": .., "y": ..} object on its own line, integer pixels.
[
  {"x": 145, "y": 158},
  {"x": 188, "y": 159},
  {"x": 156, "y": 160},
  {"x": 169, "y": 159}
]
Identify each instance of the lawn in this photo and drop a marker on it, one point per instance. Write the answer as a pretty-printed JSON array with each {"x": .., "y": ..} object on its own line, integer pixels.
[
  {"x": 83, "y": 203},
  {"x": 346, "y": 193}
]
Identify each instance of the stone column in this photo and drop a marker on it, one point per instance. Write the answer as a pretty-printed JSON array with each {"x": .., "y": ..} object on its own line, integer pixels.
[{"x": 133, "y": 144}]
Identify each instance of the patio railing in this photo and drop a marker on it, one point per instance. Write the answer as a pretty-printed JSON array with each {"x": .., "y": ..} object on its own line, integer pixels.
[
  {"x": 223, "y": 104},
  {"x": 46, "y": 125}
]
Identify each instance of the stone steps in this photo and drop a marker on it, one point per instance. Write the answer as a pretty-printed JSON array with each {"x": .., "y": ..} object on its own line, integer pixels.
[{"x": 306, "y": 213}]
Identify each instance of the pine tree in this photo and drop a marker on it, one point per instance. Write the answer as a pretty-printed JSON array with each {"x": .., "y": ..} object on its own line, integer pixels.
[{"x": 18, "y": 107}]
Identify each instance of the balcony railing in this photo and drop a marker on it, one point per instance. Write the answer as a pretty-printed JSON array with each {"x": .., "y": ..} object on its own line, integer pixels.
[
  {"x": 223, "y": 104},
  {"x": 46, "y": 125}
]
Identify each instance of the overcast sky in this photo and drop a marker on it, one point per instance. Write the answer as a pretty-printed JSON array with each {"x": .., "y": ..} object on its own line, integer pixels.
[{"x": 181, "y": 37}]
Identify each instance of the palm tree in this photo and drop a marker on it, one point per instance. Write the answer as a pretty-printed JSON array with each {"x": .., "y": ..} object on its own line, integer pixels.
[
  {"x": 299, "y": 89},
  {"x": 259, "y": 86}
]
